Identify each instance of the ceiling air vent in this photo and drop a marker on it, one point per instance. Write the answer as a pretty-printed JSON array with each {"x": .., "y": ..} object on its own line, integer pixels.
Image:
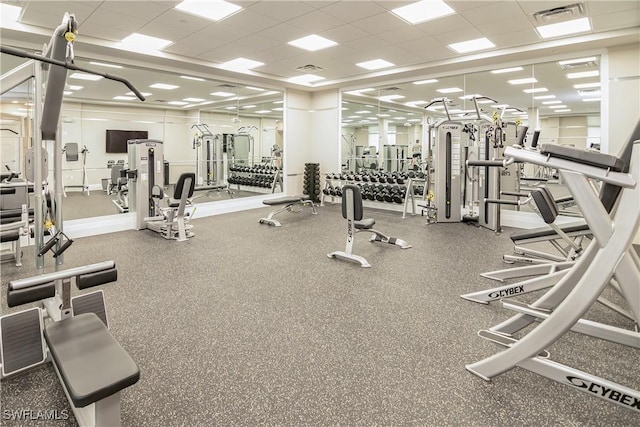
[
  {"x": 559, "y": 14},
  {"x": 227, "y": 85},
  {"x": 390, "y": 89},
  {"x": 309, "y": 68},
  {"x": 160, "y": 100},
  {"x": 572, "y": 64}
]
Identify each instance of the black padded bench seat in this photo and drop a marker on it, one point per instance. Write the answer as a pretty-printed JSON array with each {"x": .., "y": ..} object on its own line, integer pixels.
[
  {"x": 591, "y": 158},
  {"x": 546, "y": 232},
  {"x": 286, "y": 200},
  {"x": 91, "y": 363},
  {"x": 364, "y": 224}
]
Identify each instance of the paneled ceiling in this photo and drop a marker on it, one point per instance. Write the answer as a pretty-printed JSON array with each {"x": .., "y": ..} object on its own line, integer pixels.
[{"x": 364, "y": 30}]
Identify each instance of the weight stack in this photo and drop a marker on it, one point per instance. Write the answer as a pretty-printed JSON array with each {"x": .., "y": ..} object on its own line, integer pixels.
[{"x": 311, "y": 185}]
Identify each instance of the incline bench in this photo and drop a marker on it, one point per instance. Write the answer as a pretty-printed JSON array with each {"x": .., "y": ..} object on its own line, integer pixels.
[
  {"x": 292, "y": 204},
  {"x": 91, "y": 365}
]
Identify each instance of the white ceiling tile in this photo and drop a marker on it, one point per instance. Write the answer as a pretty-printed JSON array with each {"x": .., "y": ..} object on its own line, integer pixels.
[
  {"x": 367, "y": 43},
  {"x": 44, "y": 19},
  {"x": 275, "y": 54},
  {"x": 315, "y": 22},
  {"x": 118, "y": 20},
  {"x": 58, "y": 8},
  {"x": 460, "y": 35},
  {"x": 392, "y": 4},
  {"x": 381, "y": 22},
  {"x": 318, "y": 4},
  {"x": 177, "y": 19},
  {"x": 344, "y": 33},
  {"x": 530, "y": 7},
  {"x": 460, "y": 6},
  {"x": 609, "y": 7},
  {"x": 250, "y": 20},
  {"x": 102, "y": 32},
  {"x": 285, "y": 32},
  {"x": 350, "y": 11},
  {"x": 138, "y": 9},
  {"x": 615, "y": 20},
  {"x": 497, "y": 13},
  {"x": 281, "y": 10},
  {"x": 516, "y": 38},
  {"x": 446, "y": 24},
  {"x": 400, "y": 35},
  {"x": 506, "y": 26}
]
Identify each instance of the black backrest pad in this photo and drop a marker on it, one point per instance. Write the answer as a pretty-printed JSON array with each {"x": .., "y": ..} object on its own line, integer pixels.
[
  {"x": 177, "y": 193},
  {"x": 98, "y": 278},
  {"x": 357, "y": 201},
  {"x": 545, "y": 203},
  {"x": 609, "y": 192}
]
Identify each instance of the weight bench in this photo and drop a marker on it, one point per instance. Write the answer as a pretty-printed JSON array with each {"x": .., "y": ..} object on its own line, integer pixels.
[
  {"x": 92, "y": 367},
  {"x": 293, "y": 204},
  {"x": 352, "y": 211}
]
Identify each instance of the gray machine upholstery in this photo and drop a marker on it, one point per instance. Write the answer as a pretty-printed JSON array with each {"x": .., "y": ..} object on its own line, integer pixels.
[{"x": 105, "y": 367}]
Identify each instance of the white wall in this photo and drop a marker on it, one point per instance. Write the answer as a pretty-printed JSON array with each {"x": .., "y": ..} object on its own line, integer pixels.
[
  {"x": 621, "y": 108},
  {"x": 297, "y": 138}
]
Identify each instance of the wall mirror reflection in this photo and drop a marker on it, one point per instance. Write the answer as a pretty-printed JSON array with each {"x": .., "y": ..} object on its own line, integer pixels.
[
  {"x": 228, "y": 134},
  {"x": 394, "y": 128}
]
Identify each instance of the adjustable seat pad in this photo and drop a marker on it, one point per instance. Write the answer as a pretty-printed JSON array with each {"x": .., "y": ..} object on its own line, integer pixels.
[
  {"x": 364, "y": 224},
  {"x": 546, "y": 232},
  {"x": 286, "y": 200},
  {"x": 591, "y": 158},
  {"x": 91, "y": 362}
]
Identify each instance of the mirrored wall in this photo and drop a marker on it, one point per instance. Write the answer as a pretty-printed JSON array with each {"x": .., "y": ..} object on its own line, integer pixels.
[
  {"x": 229, "y": 134},
  {"x": 385, "y": 128}
]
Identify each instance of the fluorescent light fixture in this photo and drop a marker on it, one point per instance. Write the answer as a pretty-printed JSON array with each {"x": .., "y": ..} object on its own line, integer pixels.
[
  {"x": 384, "y": 115},
  {"x": 67, "y": 92},
  {"x": 312, "y": 43},
  {"x": 102, "y": 64},
  {"x": 123, "y": 98},
  {"x": 229, "y": 108},
  {"x": 583, "y": 74},
  {"x": 423, "y": 11},
  {"x": 241, "y": 64},
  {"x": 263, "y": 111},
  {"x": 390, "y": 97},
  {"x": 375, "y": 64},
  {"x": 500, "y": 106},
  {"x": 141, "y": 42},
  {"x": 278, "y": 102},
  {"x": 363, "y": 112},
  {"x": 197, "y": 79},
  {"x": 193, "y": 99},
  {"x": 353, "y": 117},
  {"x": 278, "y": 109},
  {"x": 75, "y": 87},
  {"x": 562, "y": 111},
  {"x": 552, "y": 102},
  {"x": 506, "y": 70},
  {"x": 425, "y": 82},
  {"x": 449, "y": 90},
  {"x": 142, "y": 93},
  {"x": 259, "y": 89},
  {"x": 578, "y": 61},
  {"x": 9, "y": 13},
  {"x": 142, "y": 121},
  {"x": 563, "y": 28},
  {"x": 523, "y": 81},
  {"x": 586, "y": 85},
  {"x": 214, "y": 10},
  {"x": 596, "y": 92},
  {"x": 414, "y": 120},
  {"x": 466, "y": 97},
  {"x": 305, "y": 79},
  {"x": 85, "y": 76},
  {"x": 400, "y": 118},
  {"x": 557, "y": 106},
  {"x": 95, "y": 119},
  {"x": 222, "y": 94},
  {"x": 368, "y": 89},
  {"x": 372, "y": 118},
  {"x": 544, "y": 97},
  {"x": 179, "y": 103},
  {"x": 536, "y": 90},
  {"x": 163, "y": 86},
  {"x": 591, "y": 99},
  {"x": 246, "y": 107},
  {"x": 472, "y": 45}
]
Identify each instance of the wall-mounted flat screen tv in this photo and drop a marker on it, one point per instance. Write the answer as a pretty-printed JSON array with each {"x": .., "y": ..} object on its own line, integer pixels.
[{"x": 117, "y": 139}]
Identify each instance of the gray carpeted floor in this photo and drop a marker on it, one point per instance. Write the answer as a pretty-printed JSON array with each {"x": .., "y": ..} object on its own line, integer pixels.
[{"x": 247, "y": 324}]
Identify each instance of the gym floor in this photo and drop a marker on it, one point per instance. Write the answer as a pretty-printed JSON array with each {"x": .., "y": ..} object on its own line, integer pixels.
[{"x": 247, "y": 324}]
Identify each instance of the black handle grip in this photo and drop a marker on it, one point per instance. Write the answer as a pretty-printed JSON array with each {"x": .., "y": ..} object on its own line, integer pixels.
[
  {"x": 486, "y": 163},
  {"x": 63, "y": 248}
]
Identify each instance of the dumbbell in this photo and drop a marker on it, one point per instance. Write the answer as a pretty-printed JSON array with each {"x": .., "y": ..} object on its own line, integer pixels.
[{"x": 339, "y": 191}]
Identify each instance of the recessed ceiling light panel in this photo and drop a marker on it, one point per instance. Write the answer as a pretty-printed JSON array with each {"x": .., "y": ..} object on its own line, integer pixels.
[
  {"x": 164, "y": 86},
  {"x": 506, "y": 70},
  {"x": 224, "y": 94},
  {"x": 375, "y": 64},
  {"x": 424, "y": 82},
  {"x": 564, "y": 28},
  {"x": 241, "y": 64},
  {"x": 535, "y": 90},
  {"x": 423, "y": 11},
  {"x": 583, "y": 74},
  {"x": 214, "y": 10},
  {"x": 312, "y": 43},
  {"x": 449, "y": 90},
  {"x": 141, "y": 42},
  {"x": 85, "y": 76},
  {"x": 523, "y": 81},
  {"x": 472, "y": 45}
]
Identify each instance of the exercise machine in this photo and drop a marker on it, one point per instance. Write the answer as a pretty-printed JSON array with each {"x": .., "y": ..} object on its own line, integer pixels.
[
  {"x": 352, "y": 211},
  {"x": 70, "y": 151},
  {"x": 146, "y": 170},
  {"x": 171, "y": 221},
  {"x": 119, "y": 186},
  {"x": 609, "y": 256},
  {"x": 294, "y": 204}
]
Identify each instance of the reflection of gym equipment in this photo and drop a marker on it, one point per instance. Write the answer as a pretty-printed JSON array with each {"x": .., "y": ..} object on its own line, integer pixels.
[
  {"x": 146, "y": 170},
  {"x": 171, "y": 221},
  {"x": 352, "y": 211},
  {"x": 120, "y": 188},
  {"x": 210, "y": 148},
  {"x": 609, "y": 256},
  {"x": 292, "y": 204},
  {"x": 70, "y": 151},
  {"x": 92, "y": 367},
  {"x": 14, "y": 216}
]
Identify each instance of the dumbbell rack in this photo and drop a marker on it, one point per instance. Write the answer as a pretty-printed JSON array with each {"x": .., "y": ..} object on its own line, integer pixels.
[
  {"x": 410, "y": 198},
  {"x": 274, "y": 180}
]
